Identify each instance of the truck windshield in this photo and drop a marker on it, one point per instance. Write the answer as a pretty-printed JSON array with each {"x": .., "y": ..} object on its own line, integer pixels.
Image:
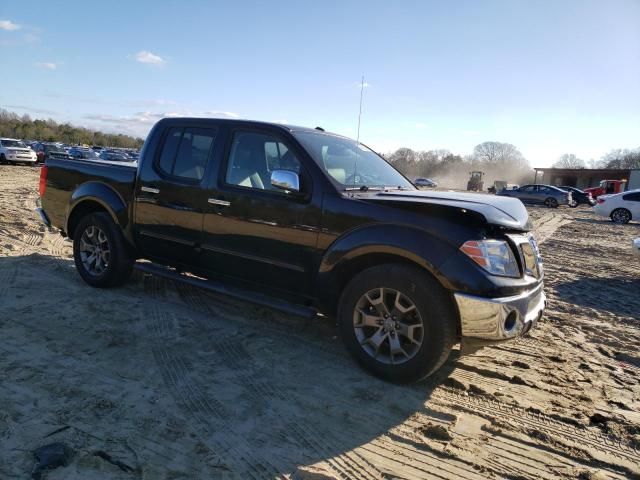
[
  {"x": 349, "y": 164},
  {"x": 13, "y": 143}
]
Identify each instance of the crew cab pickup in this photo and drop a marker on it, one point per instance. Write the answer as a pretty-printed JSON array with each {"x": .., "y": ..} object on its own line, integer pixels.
[{"x": 306, "y": 221}]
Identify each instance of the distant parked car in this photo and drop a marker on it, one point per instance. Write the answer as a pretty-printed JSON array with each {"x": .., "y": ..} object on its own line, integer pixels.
[
  {"x": 114, "y": 156},
  {"x": 83, "y": 153},
  {"x": 579, "y": 197},
  {"x": 424, "y": 182},
  {"x": 635, "y": 246},
  {"x": 620, "y": 207},
  {"x": 49, "y": 150},
  {"x": 14, "y": 151},
  {"x": 548, "y": 195}
]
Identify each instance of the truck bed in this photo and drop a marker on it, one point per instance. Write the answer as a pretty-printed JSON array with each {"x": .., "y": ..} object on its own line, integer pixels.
[{"x": 64, "y": 176}]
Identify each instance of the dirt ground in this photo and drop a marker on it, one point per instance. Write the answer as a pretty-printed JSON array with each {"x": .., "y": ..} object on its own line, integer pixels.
[{"x": 158, "y": 380}]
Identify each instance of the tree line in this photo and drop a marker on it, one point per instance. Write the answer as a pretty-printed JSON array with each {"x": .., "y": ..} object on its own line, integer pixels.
[
  {"x": 23, "y": 127},
  {"x": 622, "y": 158}
]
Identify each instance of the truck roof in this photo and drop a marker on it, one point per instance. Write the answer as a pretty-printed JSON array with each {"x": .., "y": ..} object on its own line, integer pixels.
[{"x": 237, "y": 121}]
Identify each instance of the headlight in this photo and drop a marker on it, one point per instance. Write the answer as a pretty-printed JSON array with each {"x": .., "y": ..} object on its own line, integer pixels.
[{"x": 495, "y": 256}]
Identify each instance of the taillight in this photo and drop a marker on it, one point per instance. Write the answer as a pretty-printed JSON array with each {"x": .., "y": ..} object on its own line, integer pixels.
[{"x": 43, "y": 180}]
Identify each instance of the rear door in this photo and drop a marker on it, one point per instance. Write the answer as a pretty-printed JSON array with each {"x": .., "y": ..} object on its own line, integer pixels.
[
  {"x": 170, "y": 197},
  {"x": 253, "y": 231}
]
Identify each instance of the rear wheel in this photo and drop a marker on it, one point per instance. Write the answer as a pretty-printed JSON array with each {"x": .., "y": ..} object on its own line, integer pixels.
[
  {"x": 621, "y": 215},
  {"x": 551, "y": 202},
  {"x": 100, "y": 252},
  {"x": 397, "y": 322},
  {"x": 574, "y": 203}
]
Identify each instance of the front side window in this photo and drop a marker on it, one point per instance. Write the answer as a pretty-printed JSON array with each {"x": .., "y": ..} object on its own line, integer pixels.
[
  {"x": 350, "y": 164},
  {"x": 186, "y": 151},
  {"x": 252, "y": 158}
]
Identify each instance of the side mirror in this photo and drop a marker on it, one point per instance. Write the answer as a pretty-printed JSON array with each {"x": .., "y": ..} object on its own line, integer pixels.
[{"x": 285, "y": 180}]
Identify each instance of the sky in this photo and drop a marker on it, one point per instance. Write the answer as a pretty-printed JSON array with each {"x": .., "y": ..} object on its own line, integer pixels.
[{"x": 550, "y": 77}]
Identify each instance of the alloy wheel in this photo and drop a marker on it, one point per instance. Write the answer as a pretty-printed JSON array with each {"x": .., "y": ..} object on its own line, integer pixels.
[
  {"x": 95, "y": 251},
  {"x": 388, "y": 326}
]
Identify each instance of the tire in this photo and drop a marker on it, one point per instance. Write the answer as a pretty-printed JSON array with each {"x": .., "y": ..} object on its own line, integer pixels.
[
  {"x": 551, "y": 202},
  {"x": 3, "y": 159},
  {"x": 432, "y": 322},
  {"x": 621, "y": 215},
  {"x": 115, "y": 266},
  {"x": 574, "y": 203}
]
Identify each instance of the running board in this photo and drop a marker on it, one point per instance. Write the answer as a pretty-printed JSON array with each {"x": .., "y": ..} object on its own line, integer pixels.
[{"x": 233, "y": 292}]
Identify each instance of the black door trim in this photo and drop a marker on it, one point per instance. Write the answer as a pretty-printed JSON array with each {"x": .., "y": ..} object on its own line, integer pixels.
[{"x": 276, "y": 263}]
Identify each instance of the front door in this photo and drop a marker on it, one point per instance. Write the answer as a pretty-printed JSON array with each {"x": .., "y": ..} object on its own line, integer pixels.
[
  {"x": 170, "y": 197},
  {"x": 254, "y": 231}
]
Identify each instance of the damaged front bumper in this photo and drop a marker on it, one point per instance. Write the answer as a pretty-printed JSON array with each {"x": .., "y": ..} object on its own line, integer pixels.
[{"x": 485, "y": 321}]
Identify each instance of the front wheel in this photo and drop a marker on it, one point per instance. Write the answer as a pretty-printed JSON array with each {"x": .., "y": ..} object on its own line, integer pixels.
[
  {"x": 551, "y": 202},
  {"x": 621, "y": 215},
  {"x": 100, "y": 253},
  {"x": 397, "y": 322},
  {"x": 574, "y": 203}
]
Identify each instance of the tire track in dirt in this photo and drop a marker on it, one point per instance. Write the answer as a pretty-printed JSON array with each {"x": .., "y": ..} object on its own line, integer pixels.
[
  {"x": 529, "y": 419},
  {"x": 207, "y": 414}
]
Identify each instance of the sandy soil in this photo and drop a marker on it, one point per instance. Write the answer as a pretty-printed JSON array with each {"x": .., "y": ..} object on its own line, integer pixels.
[{"x": 170, "y": 382}]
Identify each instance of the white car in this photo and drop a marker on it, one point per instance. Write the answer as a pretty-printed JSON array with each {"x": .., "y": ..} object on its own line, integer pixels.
[
  {"x": 620, "y": 207},
  {"x": 635, "y": 245},
  {"x": 14, "y": 151}
]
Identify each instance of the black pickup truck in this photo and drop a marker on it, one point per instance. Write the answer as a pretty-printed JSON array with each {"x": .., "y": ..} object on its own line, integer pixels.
[{"x": 306, "y": 221}]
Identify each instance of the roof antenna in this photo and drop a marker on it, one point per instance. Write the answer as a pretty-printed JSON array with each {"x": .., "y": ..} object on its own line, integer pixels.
[{"x": 355, "y": 164}]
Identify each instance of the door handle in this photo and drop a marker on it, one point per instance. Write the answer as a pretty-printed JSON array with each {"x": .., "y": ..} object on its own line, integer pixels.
[
  {"x": 150, "y": 190},
  {"x": 222, "y": 203}
]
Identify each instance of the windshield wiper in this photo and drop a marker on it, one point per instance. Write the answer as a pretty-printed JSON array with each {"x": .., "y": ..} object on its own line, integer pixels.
[
  {"x": 365, "y": 188},
  {"x": 378, "y": 188}
]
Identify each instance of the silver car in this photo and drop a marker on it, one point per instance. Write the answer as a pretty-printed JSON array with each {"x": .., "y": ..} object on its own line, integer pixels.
[{"x": 548, "y": 195}]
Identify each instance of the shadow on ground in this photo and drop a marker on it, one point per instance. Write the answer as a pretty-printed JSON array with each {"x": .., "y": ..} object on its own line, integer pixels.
[
  {"x": 618, "y": 295},
  {"x": 261, "y": 392}
]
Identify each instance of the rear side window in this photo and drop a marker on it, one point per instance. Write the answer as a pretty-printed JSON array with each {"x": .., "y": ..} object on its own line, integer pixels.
[
  {"x": 186, "y": 151},
  {"x": 632, "y": 197}
]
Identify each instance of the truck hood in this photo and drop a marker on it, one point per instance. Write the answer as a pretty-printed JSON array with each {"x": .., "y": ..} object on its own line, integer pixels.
[{"x": 501, "y": 211}]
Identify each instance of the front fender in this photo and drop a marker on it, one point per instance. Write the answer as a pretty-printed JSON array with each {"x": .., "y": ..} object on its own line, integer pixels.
[
  {"x": 384, "y": 241},
  {"x": 105, "y": 196}
]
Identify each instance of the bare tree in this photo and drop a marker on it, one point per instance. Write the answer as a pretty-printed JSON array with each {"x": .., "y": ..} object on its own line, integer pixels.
[
  {"x": 496, "y": 153},
  {"x": 569, "y": 160},
  {"x": 622, "y": 158}
]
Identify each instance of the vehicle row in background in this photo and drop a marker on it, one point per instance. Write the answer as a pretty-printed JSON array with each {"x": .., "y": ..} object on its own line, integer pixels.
[
  {"x": 33, "y": 152},
  {"x": 548, "y": 195},
  {"x": 620, "y": 207}
]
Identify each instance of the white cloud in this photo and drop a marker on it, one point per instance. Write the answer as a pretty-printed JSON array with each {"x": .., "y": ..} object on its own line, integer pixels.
[
  {"x": 9, "y": 25},
  {"x": 215, "y": 113},
  {"x": 422, "y": 125},
  {"x": 47, "y": 65},
  {"x": 145, "y": 56}
]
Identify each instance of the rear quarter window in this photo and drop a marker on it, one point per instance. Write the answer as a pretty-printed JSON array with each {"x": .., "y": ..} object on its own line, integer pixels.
[{"x": 632, "y": 197}]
